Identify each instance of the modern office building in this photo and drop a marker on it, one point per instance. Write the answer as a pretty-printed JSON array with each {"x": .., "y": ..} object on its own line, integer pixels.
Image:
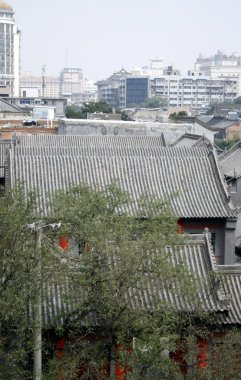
[
  {"x": 122, "y": 89},
  {"x": 9, "y": 52},
  {"x": 133, "y": 91},
  {"x": 71, "y": 82}
]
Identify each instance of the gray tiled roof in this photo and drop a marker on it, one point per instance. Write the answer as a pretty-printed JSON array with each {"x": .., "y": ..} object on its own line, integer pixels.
[
  {"x": 190, "y": 140},
  {"x": 4, "y": 144},
  {"x": 61, "y": 302},
  {"x": 74, "y": 141},
  {"x": 215, "y": 123},
  {"x": 231, "y": 279},
  {"x": 230, "y": 161},
  {"x": 197, "y": 257},
  {"x": 238, "y": 232},
  {"x": 139, "y": 165}
]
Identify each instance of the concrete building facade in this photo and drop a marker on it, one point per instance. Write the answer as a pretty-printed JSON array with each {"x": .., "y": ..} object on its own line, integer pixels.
[
  {"x": 194, "y": 92},
  {"x": 10, "y": 52},
  {"x": 220, "y": 65},
  {"x": 155, "y": 68},
  {"x": 32, "y": 85},
  {"x": 71, "y": 81},
  {"x": 123, "y": 90}
]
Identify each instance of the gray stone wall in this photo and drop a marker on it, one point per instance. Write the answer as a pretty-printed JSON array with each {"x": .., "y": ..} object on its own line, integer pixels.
[{"x": 171, "y": 131}]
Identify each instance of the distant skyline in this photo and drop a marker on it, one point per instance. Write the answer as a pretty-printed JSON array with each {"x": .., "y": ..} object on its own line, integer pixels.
[{"x": 102, "y": 36}]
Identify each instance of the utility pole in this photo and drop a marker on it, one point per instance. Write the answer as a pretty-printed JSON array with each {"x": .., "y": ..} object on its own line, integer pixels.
[
  {"x": 37, "y": 229},
  {"x": 37, "y": 330},
  {"x": 43, "y": 80}
]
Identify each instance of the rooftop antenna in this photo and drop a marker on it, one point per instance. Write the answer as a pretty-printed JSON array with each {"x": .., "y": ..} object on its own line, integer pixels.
[{"x": 43, "y": 79}]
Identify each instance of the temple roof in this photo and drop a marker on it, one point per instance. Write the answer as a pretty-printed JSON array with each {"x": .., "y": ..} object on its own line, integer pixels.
[
  {"x": 189, "y": 140},
  {"x": 140, "y": 164},
  {"x": 230, "y": 161},
  {"x": 61, "y": 301},
  {"x": 231, "y": 280},
  {"x": 215, "y": 123}
]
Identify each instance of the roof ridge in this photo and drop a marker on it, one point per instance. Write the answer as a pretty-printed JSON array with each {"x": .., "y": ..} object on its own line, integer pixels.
[
  {"x": 221, "y": 178},
  {"x": 230, "y": 150}
]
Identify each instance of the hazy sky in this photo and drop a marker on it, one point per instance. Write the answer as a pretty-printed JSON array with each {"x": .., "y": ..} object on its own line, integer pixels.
[{"x": 102, "y": 36}]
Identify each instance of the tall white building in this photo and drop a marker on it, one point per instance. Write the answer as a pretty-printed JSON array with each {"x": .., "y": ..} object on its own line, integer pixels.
[
  {"x": 32, "y": 86},
  {"x": 154, "y": 70},
  {"x": 220, "y": 66},
  {"x": 71, "y": 81},
  {"x": 194, "y": 91},
  {"x": 9, "y": 52}
]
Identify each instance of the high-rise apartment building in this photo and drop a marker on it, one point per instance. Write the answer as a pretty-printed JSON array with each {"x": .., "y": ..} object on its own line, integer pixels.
[
  {"x": 9, "y": 52},
  {"x": 219, "y": 66},
  {"x": 194, "y": 91}
]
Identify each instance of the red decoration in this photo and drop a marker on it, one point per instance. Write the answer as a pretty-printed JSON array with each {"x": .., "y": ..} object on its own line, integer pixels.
[
  {"x": 202, "y": 356},
  {"x": 64, "y": 242}
]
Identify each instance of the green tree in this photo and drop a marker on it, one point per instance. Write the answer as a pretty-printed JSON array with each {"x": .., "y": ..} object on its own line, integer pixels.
[
  {"x": 154, "y": 102},
  {"x": 113, "y": 287},
  {"x": 237, "y": 100},
  {"x": 124, "y": 115},
  {"x": 19, "y": 273},
  {"x": 175, "y": 116},
  {"x": 225, "y": 144},
  {"x": 75, "y": 112},
  {"x": 124, "y": 253}
]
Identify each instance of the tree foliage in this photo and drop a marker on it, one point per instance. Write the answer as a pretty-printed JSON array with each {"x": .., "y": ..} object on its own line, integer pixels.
[
  {"x": 237, "y": 100},
  {"x": 19, "y": 271},
  {"x": 121, "y": 274},
  {"x": 154, "y": 102},
  {"x": 175, "y": 116},
  {"x": 75, "y": 112},
  {"x": 116, "y": 317},
  {"x": 225, "y": 144}
]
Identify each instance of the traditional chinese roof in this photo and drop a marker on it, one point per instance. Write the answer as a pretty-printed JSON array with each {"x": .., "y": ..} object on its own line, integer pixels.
[
  {"x": 189, "y": 140},
  {"x": 215, "y": 123},
  {"x": 231, "y": 280},
  {"x": 197, "y": 257},
  {"x": 61, "y": 301},
  {"x": 80, "y": 141},
  {"x": 4, "y": 145},
  {"x": 230, "y": 161},
  {"x": 238, "y": 232},
  {"x": 138, "y": 164}
]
